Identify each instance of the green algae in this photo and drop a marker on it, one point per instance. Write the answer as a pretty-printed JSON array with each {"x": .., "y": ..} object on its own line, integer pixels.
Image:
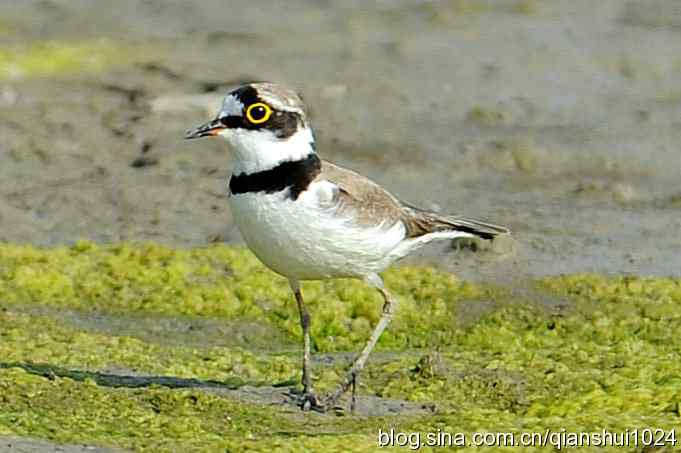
[
  {"x": 231, "y": 284},
  {"x": 7, "y": 27},
  {"x": 31, "y": 339},
  {"x": 50, "y": 58},
  {"x": 447, "y": 12},
  {"x": 609, "y": 359},
  {"x": 150, "y": 419},
  {"x": 486, "y": 117}
]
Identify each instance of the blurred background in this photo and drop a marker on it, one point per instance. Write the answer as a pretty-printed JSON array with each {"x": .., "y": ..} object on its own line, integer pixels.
[{"x": 558, "y": 118}]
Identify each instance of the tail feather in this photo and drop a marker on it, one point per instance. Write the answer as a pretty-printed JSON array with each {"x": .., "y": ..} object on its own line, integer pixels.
[
  {"x": 420, "y": 222},
  {"x": 475, "y": 227}
]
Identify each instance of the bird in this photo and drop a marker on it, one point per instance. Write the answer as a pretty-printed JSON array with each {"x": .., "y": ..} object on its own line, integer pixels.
[{"x": 306, "y": 218}]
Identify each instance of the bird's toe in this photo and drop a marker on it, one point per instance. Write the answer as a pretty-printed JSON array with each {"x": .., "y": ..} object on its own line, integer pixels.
[{"x": 309, "y": 401}]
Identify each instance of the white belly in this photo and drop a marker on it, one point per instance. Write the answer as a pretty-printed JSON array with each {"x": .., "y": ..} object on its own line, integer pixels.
[{"x": 300, "y": 240}]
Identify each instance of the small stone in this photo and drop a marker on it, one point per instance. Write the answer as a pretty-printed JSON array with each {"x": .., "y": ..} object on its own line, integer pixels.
[{"x": 144, "y": 161}]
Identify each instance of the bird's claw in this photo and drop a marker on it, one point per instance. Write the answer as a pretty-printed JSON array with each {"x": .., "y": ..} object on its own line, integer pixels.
[{"x": 309, "y": 402}]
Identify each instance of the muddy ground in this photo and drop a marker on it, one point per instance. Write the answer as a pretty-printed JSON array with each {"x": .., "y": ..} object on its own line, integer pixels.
[{"x": 559, "y": 119}]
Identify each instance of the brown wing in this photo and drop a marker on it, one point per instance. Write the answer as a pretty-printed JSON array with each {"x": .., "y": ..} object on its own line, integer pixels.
[
  {"x": 359, "y": 196},
  {"x": 371, "y": 205}
]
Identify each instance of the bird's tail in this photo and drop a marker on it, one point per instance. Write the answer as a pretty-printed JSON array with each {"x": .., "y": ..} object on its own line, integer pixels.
[
  {"x": 420, "y": 222},
  {"x": 475, "y": 227}
]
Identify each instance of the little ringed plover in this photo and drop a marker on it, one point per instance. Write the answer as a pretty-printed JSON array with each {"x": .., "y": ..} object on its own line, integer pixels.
[{"x": 308, "y": 219}]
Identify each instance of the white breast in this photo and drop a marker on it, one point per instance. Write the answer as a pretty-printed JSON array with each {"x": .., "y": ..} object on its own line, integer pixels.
[{"x": 305, "y": 239}]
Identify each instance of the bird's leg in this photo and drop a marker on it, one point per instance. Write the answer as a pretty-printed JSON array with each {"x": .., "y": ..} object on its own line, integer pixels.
[
  {"x": 309, "y": 399},
  {"x": 389, "y": 307},
  {"x": 305, "y": 324},
  {"x": 353, "y": 392}
]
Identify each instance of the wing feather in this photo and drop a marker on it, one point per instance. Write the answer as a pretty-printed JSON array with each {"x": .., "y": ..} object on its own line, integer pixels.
[{"x": 371, "y": 205}]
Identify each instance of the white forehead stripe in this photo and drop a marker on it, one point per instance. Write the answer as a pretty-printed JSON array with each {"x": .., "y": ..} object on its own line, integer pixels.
[{"x": 231, "y": 106}]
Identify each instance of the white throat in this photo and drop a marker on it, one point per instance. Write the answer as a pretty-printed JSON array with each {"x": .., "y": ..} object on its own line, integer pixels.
[{"x": 259, "y": 150}]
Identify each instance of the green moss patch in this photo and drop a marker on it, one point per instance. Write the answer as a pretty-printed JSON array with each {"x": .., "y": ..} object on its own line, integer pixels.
[
  {"x": 155, "y": 418},
  {"x": 36, "y": 340},
  {"x": 609, "y": 358},
  {"x": 230, "y": 283},
  {"x": 55, "y": 58}
]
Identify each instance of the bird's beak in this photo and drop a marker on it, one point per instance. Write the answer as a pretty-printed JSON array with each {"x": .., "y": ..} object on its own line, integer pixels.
[{"x": 209, "y": 129}]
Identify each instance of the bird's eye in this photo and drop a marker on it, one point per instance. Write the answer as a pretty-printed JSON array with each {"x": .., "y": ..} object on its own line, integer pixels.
[{"x": 258, "y": 113}]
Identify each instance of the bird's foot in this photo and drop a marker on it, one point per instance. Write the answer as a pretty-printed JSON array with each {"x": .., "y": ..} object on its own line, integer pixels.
[
  {"x": 308, "y": 401},
  {"x": 332, "y": 399}
]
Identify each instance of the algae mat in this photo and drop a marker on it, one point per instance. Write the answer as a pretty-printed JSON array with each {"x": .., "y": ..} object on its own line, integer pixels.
[{"x": 119, "y": 346}]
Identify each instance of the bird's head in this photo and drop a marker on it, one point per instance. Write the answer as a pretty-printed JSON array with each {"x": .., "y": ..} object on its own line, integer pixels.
[{"x": 264, "y": 123}]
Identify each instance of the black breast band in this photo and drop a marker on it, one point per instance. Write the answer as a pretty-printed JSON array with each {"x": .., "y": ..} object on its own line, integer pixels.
[{"x": 296, "y": 175}]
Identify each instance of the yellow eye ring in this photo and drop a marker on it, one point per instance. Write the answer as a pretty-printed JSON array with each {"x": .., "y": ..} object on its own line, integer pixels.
[{"x": 258, "y": 113}]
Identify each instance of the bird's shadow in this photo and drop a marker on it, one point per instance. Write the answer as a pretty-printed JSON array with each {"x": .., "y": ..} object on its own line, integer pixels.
[
  {"x": 283, "y": 394},
  {"x": 134, "y": 381}
]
